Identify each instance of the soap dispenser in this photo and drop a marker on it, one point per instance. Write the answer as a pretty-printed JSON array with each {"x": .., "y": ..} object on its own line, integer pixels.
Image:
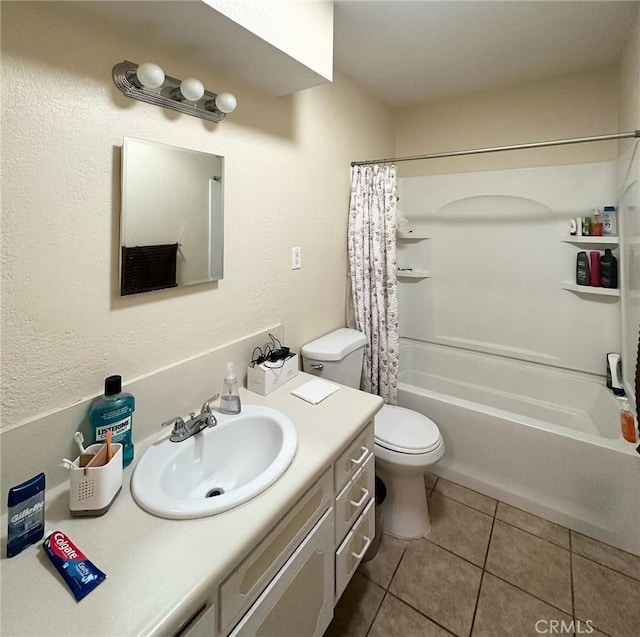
[{"x": 230, "y": 400}]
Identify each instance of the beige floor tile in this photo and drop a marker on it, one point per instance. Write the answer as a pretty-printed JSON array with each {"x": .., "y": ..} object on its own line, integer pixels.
[
  {"x": 430, "y": 481},
  {"x": 356, "y": 609},
  {"x": 396, "y": 619},
  {"x": 507, "y": 611},
  {"x": 584, "y": 629},
  {"x": 440, "y": 585},
  {"x": 382, "y": 567},
  {"x": 608, "y": 598},
  {"x": 532, "y": 564},
  {"x": 533, "y": 524},
  {"x": 607, "y": 555},
  {"x": 466, "y": 496},
  {"x": 458, "y": 528}
]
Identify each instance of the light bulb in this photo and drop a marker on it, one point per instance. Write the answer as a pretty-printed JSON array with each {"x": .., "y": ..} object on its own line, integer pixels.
[
  {"x": 192, "y": 89},
  {"x": 226, "y": 102},
  {"x": 150, "y": 75}
]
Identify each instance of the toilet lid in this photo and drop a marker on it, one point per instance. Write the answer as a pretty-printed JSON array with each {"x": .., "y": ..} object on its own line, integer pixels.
[{"x": 405, "y": 430}]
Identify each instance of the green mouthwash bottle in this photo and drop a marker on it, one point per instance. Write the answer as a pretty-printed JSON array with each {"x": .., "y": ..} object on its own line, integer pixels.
[{"x": 114, "y": 412}]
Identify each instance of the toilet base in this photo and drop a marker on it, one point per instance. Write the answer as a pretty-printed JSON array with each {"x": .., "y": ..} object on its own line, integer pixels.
[{"x": 406, "y": 512}]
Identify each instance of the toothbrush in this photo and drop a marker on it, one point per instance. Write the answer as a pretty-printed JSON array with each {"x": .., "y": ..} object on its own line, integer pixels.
[
  {"x": 79, "y": 438},
  {"x": 107, "y": 438},
  {"x": 65, "y": 463}
]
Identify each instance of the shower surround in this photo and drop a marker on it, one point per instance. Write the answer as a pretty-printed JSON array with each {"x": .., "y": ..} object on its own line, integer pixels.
[{"x": 508, "y": 362}]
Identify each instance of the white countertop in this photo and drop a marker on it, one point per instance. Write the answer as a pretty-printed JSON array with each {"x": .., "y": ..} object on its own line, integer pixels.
[{"x": 160, "y": 571}]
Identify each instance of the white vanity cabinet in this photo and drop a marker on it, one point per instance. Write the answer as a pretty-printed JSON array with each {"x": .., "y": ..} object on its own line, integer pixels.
[
  {"x": 272, "y": 557},
  {"x": 354, "y": 477},
  {"x": 299, "y": 600},
  {"x": 289, "y": 584}
]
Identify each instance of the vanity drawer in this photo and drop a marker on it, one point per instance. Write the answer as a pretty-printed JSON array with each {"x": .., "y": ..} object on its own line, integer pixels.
[
  {"x": 355, "y": 545},
  {"x": 354, "y": 498},
  {"x": 246, "y": 582},
  {"x": 354, "y": 457}
]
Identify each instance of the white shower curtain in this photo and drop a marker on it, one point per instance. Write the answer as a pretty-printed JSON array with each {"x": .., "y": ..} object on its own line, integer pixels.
[{"x": 373, "y": 269}]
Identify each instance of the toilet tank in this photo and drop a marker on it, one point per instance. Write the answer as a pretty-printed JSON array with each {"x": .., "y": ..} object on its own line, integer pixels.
[{"x": 336, "y": 356}]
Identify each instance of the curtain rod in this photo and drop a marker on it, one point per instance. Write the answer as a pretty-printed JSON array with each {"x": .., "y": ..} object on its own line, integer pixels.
[{"x": 495, "y": 149}]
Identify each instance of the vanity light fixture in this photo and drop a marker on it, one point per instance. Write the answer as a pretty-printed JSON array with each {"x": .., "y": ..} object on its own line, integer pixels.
[{"x": 148, "y": 82}]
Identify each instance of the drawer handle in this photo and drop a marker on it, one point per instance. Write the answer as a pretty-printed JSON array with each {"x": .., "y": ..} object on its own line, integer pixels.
[
  {"x": 360, "y": 460},
  {"x": 367, "y": 544},
  {"x": 365, "y": 495}
]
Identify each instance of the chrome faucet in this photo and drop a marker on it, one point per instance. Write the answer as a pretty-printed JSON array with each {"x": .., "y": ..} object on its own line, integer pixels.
[{"x": 196, "y": 423}]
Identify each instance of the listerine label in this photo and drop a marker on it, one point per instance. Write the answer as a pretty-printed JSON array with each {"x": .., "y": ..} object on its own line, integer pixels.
[{"x": 118, "y": 429}]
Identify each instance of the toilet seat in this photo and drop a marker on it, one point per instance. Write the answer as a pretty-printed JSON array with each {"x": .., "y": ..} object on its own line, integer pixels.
[{"x": 405, "y": 431}]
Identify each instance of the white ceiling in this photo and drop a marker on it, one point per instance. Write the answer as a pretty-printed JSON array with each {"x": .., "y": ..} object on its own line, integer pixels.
[{"x": 412, "y": 52}]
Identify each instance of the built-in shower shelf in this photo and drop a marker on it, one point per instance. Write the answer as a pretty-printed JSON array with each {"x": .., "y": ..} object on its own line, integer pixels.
[
  {"x": 412, "y": 236},
  {"x": 587, "y": 289},
  {"x": 592, "y": 240},
  {"x": 414, "y": 274}
]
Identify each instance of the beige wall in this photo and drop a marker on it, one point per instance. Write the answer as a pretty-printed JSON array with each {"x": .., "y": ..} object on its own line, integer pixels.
[
  {"x": 572, "y": 106},
  {"x": 64, "y": 327},
  {"x": 629, "y": 81}
]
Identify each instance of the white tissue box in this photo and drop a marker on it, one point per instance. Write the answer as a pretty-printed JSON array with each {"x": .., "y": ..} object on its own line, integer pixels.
[{"x": 264, "y": 378}]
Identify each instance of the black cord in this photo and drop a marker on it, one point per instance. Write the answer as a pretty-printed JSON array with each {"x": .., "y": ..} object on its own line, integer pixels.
[
  {"x": 275, "y": 341},
  {"x": 257, "y": 360}
]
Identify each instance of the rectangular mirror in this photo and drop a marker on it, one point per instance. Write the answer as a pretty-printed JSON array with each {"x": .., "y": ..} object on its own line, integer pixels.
[{"x": 172, "y": 218}]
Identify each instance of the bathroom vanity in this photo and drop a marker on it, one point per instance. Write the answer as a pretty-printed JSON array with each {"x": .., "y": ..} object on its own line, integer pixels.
[{"x": 273, "y": 566}]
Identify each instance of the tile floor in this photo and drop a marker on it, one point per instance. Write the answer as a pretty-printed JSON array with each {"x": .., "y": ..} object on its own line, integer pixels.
[{"x": 487, "y": 569}]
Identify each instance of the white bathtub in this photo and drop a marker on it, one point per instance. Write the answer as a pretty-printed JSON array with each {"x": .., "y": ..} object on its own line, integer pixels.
[{"x": 543, "y": 439}]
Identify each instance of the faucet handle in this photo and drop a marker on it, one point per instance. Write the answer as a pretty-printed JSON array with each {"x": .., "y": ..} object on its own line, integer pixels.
[
  {"x": 178, "y": 425},
  {"x": 206, "y": 411},
  {"x": 206, "y": 406}
]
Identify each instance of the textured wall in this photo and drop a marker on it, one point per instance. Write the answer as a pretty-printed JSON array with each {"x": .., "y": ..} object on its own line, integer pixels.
[
  {"x": 64, "y": 327},
  {"x": 572, "y": 106}
]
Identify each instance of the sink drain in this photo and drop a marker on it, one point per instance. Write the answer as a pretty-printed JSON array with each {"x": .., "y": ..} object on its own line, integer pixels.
[{"x": 212, "y": 493}]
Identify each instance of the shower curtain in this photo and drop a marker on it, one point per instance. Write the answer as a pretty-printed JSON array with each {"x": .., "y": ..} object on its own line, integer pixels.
[{"x": 373, "y": 275}]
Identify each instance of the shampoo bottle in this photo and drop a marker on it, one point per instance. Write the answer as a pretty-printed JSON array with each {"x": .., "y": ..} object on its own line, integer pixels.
[
  {"x": 608, "y": 270},
  {"x": 230, "y": 399},
  {"x": 114, "y": 412},
  {"x": 582, "y": 269},
  {"x": 594, "y": 279}
]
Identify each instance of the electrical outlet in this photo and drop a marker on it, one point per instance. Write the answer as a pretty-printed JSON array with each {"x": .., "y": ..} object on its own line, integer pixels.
[{"x": 296, "y": 258}]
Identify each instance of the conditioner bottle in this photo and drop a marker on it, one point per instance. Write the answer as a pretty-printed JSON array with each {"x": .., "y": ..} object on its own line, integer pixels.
[{"x": 608, "y": 270}]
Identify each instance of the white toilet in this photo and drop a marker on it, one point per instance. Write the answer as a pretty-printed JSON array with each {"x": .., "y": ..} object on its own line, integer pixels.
[{"x": 406, "y": 442}]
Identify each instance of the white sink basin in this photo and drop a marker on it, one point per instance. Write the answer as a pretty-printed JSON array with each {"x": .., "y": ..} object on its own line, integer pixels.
[{"x": 218, "y": 468}]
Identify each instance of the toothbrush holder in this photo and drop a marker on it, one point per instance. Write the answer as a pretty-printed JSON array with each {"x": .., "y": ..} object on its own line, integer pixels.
[{"x": 94, "y": 486}]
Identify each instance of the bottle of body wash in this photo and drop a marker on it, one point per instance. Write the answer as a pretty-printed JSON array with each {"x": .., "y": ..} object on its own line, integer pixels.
[
  {"x": 114, "y": 412},
  {"x": 627, "y": 422},
  {"x": 597, "y": 227},
  {"x": 230, "y": 399},
  {"x": 609, "y": 221}
]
